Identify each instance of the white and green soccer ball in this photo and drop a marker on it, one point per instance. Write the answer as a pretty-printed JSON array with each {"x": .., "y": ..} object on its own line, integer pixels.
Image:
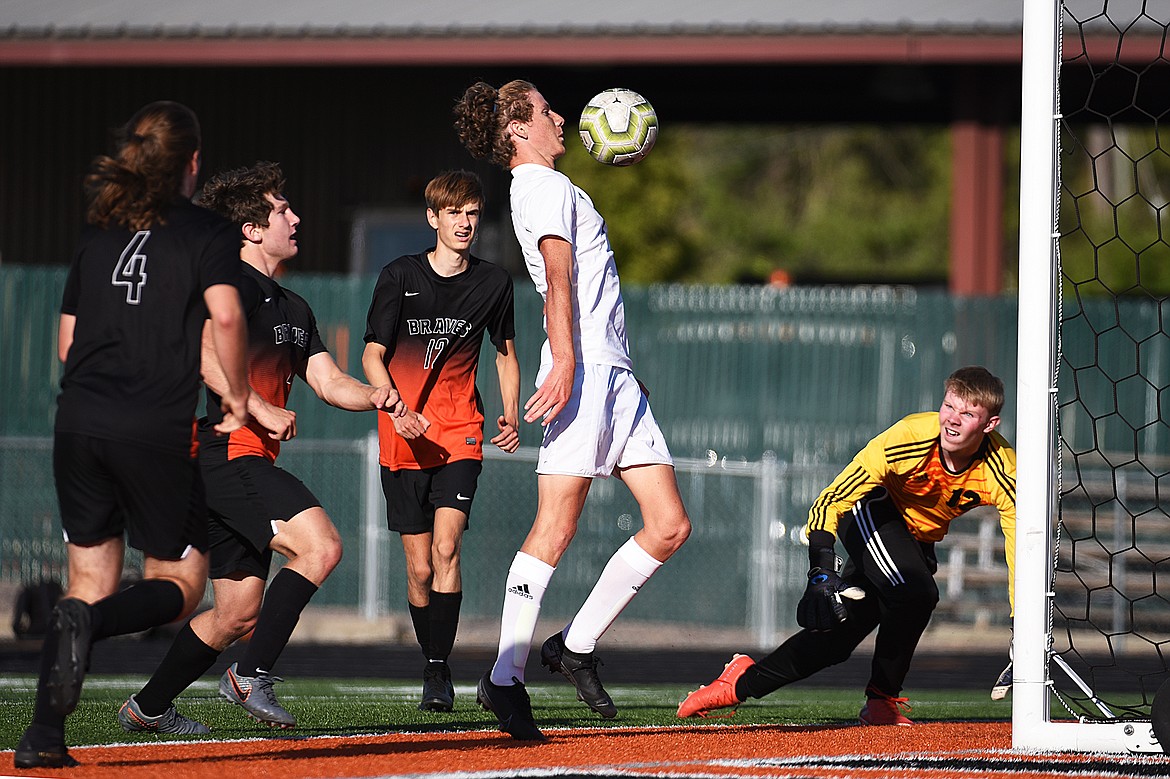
[{"x": 618, "y": 127}]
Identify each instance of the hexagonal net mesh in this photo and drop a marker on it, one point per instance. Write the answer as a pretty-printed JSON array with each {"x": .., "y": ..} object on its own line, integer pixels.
[{"x": 1111, "y": 610}]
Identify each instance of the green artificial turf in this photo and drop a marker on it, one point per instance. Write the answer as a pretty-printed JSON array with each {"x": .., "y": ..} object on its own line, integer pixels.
[{"x": 341, "y": 707}]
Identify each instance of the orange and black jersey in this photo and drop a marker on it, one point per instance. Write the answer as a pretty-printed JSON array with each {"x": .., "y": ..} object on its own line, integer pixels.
[
  {"x": 282, "y": 336},
  {"x": 432, "y": 327},
  {"x": 905, "y": 459},
  {"x": 132, "y": 373}
]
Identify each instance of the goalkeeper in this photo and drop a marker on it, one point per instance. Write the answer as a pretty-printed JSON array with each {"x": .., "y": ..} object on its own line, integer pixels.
[{"x": 888, "y": 508}]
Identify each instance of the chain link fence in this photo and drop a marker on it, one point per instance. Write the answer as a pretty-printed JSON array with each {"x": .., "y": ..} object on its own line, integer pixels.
[{"x": 763, "y": 394}]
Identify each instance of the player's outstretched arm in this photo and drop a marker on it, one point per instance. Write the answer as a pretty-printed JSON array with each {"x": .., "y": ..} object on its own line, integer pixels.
[
  {"x": 407, "y": 423},
  {"x": 508, "y": 371},
  {"x": 340, "y": 390}
]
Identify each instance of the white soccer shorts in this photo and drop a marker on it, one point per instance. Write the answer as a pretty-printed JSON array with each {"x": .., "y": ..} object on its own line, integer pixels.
[{"x": 606, "y": 424}]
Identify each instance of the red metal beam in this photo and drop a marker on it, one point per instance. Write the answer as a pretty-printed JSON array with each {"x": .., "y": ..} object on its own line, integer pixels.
[
  {"x": 490, "y": 50},
  {"x": 276, "y": 49},
  {"x": 977, "y": 182}
]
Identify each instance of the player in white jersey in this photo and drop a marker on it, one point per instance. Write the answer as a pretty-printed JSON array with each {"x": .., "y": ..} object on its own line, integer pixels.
[{"x": 596, "y": 414}]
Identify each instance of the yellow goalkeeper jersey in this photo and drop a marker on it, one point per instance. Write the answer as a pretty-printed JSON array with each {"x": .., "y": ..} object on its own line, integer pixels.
[{"x": 905, "y": 459}]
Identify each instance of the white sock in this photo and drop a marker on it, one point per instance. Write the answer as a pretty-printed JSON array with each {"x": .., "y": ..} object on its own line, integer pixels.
[
  {"x": 624, "y": 575},
  {"x": 523, "y": 591}
]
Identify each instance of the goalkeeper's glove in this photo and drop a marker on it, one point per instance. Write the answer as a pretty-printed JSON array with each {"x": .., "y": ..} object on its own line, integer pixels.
[
  {"x": 820, "y": 607},
  {"x": 1003, "y": 685}
]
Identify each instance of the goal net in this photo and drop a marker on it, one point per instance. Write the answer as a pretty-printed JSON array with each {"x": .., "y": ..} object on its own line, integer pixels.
[{"x": 1092, "y": 624}]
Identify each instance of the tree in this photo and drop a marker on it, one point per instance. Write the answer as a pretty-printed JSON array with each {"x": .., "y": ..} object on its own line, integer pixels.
[{"x": 732, "y": 204}]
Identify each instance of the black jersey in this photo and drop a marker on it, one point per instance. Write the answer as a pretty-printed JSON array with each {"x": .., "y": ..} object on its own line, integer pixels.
[
  {"x": 282, "y": 336},
  {"x": 432, "y": 327},
  {"x": 132, "y": 373}
]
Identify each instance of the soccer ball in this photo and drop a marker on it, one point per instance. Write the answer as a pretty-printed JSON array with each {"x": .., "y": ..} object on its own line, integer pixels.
[{"x": 619, "y": 127}]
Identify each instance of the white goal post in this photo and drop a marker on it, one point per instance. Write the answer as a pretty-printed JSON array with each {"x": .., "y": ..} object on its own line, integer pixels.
[{"x": 1038, "y": 488}]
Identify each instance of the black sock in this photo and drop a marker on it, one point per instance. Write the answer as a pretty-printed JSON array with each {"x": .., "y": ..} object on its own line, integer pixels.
[
  {"x": 186, "y": 660},
  {"x": 421, "y": 617},
  {"x": 286, "y": 598},
  {"x": 143, "y": 605},
  {"x": 48, "y": 727},
  {"x": 444, "y": 623}
]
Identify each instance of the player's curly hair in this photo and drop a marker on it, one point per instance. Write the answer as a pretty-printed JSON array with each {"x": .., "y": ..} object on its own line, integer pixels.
[
  {"x": 238, "y": 195},
  {"x": 976, "y": 385},
  {"x": 134, "y": 186},
  {"x": 482, "y": 115}
]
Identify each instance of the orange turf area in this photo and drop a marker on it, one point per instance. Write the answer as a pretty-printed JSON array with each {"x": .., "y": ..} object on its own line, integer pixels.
[{"x": 930, "y": 750}]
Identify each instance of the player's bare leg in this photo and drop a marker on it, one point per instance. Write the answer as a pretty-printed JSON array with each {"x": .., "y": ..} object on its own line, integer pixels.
[
  {"x": 665, "y": 528},
  {"x": 665, "y": 523},
  {"x": 313, "y": 548},
  {"x": 94, "y": 570},
  {"x": 560, "y": 499},
  {"x": 434, "y": 590}
]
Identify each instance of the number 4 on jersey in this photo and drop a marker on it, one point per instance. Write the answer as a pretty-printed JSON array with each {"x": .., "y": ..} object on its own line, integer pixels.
[{"x": 130, "y": 272}]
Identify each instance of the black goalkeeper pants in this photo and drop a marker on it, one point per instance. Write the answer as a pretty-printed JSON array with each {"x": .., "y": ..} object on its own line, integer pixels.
[{"x": 897, "y": 573}]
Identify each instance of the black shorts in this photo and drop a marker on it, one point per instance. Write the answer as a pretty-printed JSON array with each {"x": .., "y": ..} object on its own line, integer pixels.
[
  {"x": 883, "y": 555},
  {"x": 107, "y": 488},
  {"x": 245, "y": 496},
  {"x": 413, "y": 495}
]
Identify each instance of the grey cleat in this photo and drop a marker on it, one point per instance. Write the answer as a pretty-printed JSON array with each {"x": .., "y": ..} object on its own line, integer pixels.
[
  {"x": 255, "y": 695},
  {"x": 170, "y": 721}
]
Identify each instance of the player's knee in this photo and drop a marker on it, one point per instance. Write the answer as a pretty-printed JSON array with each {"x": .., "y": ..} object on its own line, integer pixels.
[
  {"x": 445, "y": 555},
  {"x": 235, "y": 621},
  {"x": 921, "y": 598},
  {"x": 317, "y": 551},
  {"x": 838, "y": 653},
  {"x": 672, "y": 532},
  {"x": 549, "y": 541},
  {"x": 420, "y": 574},
  {"x": 238, "y": 627},
  {"x": 326, "y": 555}
]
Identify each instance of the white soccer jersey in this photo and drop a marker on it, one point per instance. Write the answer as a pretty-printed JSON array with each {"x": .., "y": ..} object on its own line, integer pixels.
[{"x": 546, "y": 203}]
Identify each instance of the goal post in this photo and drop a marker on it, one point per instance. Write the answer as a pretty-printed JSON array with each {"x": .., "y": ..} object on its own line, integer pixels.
[
  {"x": 1090, "y": 625},
  {"x": 1035, "y": 404}
]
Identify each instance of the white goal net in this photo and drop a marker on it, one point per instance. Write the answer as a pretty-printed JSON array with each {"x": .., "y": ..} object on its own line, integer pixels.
[{"x": 1092, "y": 628}]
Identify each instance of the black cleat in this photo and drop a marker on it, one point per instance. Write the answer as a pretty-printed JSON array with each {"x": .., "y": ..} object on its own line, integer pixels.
[
  {"x": 438, "y": 691},
  {"x": 72, "y": 629},
  {"x": 581, "y": 670},
  {"x": 46, "y": 755},
  {"x": 511, "y": 706}
]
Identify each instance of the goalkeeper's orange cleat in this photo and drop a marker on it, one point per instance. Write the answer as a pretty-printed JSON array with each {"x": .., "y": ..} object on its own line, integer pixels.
[
  {"x": 719, "y": 694},
  {"x": 885, "y": 710}
]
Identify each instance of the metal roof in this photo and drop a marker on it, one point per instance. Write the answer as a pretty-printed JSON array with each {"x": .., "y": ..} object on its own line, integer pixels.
[
  {"x": 598, "y": 32},
  {"x": 170, "y": 18}
]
